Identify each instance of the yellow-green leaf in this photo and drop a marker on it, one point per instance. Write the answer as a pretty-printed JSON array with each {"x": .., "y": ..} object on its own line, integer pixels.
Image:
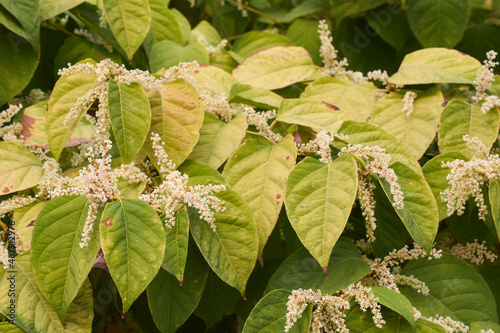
[
  {"x": 276, "y": 67},
  {"x": 418, "y": 130}
]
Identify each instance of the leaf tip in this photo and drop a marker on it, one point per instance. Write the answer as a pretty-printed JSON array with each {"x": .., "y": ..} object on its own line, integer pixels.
[{"x": 325, "y": 270}]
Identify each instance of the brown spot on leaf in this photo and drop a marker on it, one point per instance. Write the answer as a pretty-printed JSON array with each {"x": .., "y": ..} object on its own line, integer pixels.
[
  {"x": 108, "y": 222},
  {"x": 287, "y": 158},
  {"x": 278, "y": 196},
  {"x": 6, "y": 190},
  {"x": 32, "y": 223},
  {"x": 331, "y": 106}
]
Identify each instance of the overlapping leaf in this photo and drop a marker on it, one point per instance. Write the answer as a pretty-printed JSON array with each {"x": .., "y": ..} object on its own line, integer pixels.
[
  {"x": 258, "y": 170},
  {"x": 58, "y": 229},
  {"x": 133, "y": 242},
  {"x": 356, "y": 100},
  {"x": 129, "y": 21},
  {"x": 176, "y": 248},
  {"x": 418, "y": 130},
  {"x": 66, "y": 92},
  {"x": 218, "y": 139},
  {"x": 319, "y": 198},
  {"x": 276, "y": 67},
  {"x": 460, "y": 118},
  {"x": 19, "y": 168},
  {"x": 177, "y": 116},
  {"x": 130, "y": 117}
]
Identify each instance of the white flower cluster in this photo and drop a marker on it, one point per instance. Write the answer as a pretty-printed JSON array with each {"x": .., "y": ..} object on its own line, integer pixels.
[
  {"x": 484, "y": 77},
  {"x": 210, "y": 48},
  {"x": 385, "y": 272},
  {"x": 21, "y": 246},
  {"x": 173, "y": 192},
  {"x": 450, "y": 325},
  {"x": 474, "y": 252},
  {"x": 331, "y": 66},
  {"x": 328, "y": 310},
  {"x": 376, "y": 163},
  {"x": 107, "y": 69},
  {"x": 466, "y": 178},
  {"x": 489, "y": 103},
  {"x": 215, "y": 102},
  {"x": 408, "y": 100},
  {"x": 15, "y": 202},
  {"x": 321, "y": 145},
  {"x": 7, "y": 115},
  {"x": 259, "y": 120},
  {"x": 99, "y": 41},
  {"x": 34, "y": 96}
]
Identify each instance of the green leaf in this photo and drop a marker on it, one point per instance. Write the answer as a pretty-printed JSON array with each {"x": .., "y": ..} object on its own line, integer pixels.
[
  {"x": 208, "y": 32},
  {"x": 483, "y": 326},
  {"x": 478, "y": 39},
  {"x": 494, "y": 194},
  {"x": 491, "y": 274},
  {"x": 76, "y": 49},
  {"x": 133, "y": 242},
  {"x": 214, "y": 78},
  {"x": 275, "y": 67},
  {"x": 163, "y": 22},
  {"x": 184, "y": 26},
  {"x": 26, "y": 12},
  {"x": 130, "y": 117},
  {"x": 435, "y": 175},
  {"x": 254, "y": 41},
  {"x": 167, "y": 53},
  {"x": 18, "y": 63},
  {"x": 25, "y": 217},
  {"x": 371, "y": 135},
  {"x": 394, "y": 301},
  {"x": 176, "y": 249},
  {"x": 312, "y": 114},
  {"x": 460, "y": 118},
  {"x": 68, "y": 89},
  {"x": 305, "y": 33},
  {"x": 58, "y": 229},
  {"x": 217, "y": 300},
  {"x": 438, "y": 22},
  {"x": 344, "y": 9},
  {"x": 231, "y": 250},
  {"x": 269, "y": 315},
  {"x": 391, "y": 24},
  {"x": 6, "y": 327},
  {"x": 356, "y": 100},
  {"x": 32, "y": 310},
  {"x": 129, "y": 21},
  {"x": 419, "y": 214},
  {"x": 256, "y": 97},
  {"x": 81, "y": 312},
  {"x": 20, "y": 169},
  {"x": 51, "y": 8},
  {"x": 456, "y": 289},
  {"x": 33, "y": 127},
  {"x": 171, "y": 304},
  {"x": 218, "y": 139},
  {"x": 319, "y": 198},
  {"x": 301, "y": 270},
  {"x": 130, "y": 191},
  {"x": 177, "y": 116},
  {"x": 436, "y": 65},
  {"x": 417, "y": 131},
  {"x": 257, "y": 170}
]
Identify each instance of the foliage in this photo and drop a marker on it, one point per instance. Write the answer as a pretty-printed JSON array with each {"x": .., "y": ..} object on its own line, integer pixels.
[{"x": 257, "y": 180}]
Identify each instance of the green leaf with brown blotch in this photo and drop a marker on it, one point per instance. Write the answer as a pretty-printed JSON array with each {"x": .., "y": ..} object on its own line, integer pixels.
[
  {"x": 319, "y": 198},
  {"x": 177, "y": 116},
  {"x": 20, "y": 169},
  {"x": 356, "y": 100}
]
